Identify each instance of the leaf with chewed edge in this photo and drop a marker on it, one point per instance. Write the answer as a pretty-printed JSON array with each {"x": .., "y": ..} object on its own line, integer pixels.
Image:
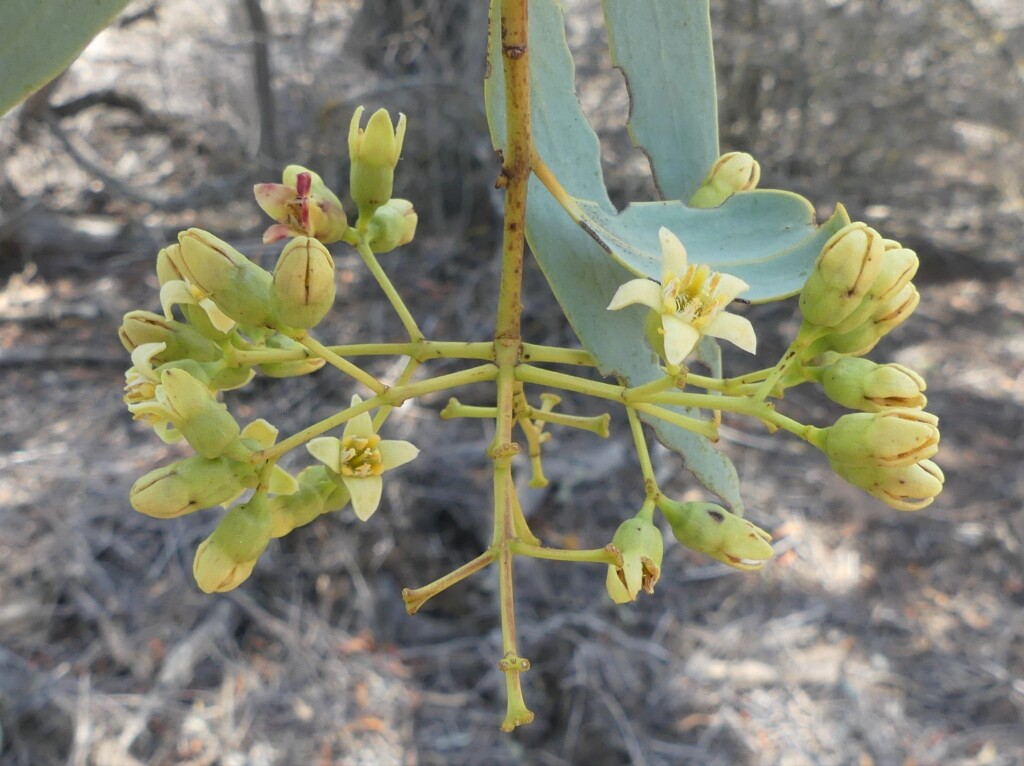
[{"x": 663, "y": 49}]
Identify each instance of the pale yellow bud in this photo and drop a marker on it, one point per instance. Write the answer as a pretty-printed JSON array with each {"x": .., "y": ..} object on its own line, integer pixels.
[
  {"x": 845, "y": 270},
  {"x": 303, "y": 283},
  {"x": 731, "y": 173},
  {"x": 227, "y": 557},
  {"x": 889, "y": 438}
]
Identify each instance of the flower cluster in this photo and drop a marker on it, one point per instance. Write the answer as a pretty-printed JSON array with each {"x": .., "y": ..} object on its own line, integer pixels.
[
  {"x": 860, "y": 289},
  {"x": 224, "y": 320}
]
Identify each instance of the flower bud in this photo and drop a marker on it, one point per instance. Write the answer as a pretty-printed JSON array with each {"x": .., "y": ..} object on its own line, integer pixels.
[
  {"x": 640, "y": 544},
  {"x": 188, "y": 485},
  {"x": 392, "y": 225},
  {"x": 332, "y": 490},
  {"x": 905, "y": 488},
  {"x": 204, "y": 422},
  {"x": 239, "y": 287},
  {"x": 896, "y": 310},
  {"x": 374, "y": 152},
  {"x": 714, "y": 531},
  {"x": 169, "y": 266},
  {"x": 888, "y": 438},
  {"x": 216, "y": 376},
  {"x": 303, "y": 285},
  {"x": 290, "y": 369},
  {"x": 899, "y": 265},
  {"x": 288, "y": 512},
  {"x": 182, "y": 341},
  {"x": 861, "y": 384},
  {"x": 226, "y": 558},
  {"x": 845, "y": 270},
  {"x": 731, "y": 173},
  {"x": 885, "y": 317}
]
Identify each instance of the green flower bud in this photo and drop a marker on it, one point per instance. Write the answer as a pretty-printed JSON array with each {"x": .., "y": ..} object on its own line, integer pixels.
[
  {"x": 392, "y": 225},
  {"x": 182, "y": 341},
  {"x": 288, "y": 512},
  {"x": 226, "y": 558},
  {"x": 330, "y": 486},
  {"x": 289, "y": 369},
  {"x": 239, "y": 287},
  {"x": 216, "y": 376},
  {"x": 303, "y": 285},
  {"x": 731, "y": 173},
  {"x": 861, "y": 384},
  {"x": 905, "y": 488},
  {"x": 640, "y": 544},
  {"x": 189, "y": 485},
  {"x": 374, "y": 152},
  {"x": 845, "y": 270},
  {"x": 204, "y": 422},
  {"x": 889, "y": 438},
  {"x": 715, "y": 532}
]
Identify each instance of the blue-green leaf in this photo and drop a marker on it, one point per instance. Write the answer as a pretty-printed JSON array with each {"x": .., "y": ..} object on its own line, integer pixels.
[
  {"x": 579, "y": 270},
  {"x": 39, "y": 38},
  {"x": 663, "y": 48}
]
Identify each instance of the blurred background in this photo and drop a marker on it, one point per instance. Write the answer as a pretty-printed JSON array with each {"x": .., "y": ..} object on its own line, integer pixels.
[{"x": 874, "y": 637}]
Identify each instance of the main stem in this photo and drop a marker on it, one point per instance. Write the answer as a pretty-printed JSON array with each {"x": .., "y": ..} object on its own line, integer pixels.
[{"x": 515, "y": 175}]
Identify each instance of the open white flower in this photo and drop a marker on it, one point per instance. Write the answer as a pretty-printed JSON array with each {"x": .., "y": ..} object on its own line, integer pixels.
[
  {"x": 690, "y": 300},
  {"x": 359, "y": 457},
  {"x": 144, "y": 394}
]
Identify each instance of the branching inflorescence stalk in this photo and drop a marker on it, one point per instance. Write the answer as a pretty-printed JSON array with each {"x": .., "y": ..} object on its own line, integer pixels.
[{"x": 515, "y": 176}]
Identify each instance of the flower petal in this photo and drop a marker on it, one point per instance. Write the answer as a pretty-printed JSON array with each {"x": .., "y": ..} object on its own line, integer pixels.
[
  {"x": 642, "y": 291},
  {"x": 282, "y": 482},
  {"x": 673, "y": 255},
  {"x": 395, "y": 453},
  {"x": 167, "y": 433},
  {"x": 218, "y": 318},
  {"x": 142, "y": 358},
  {"x": 361, "y": 425},
  {"x": 617, "y": 587},
  {"x": 735, "y": 329},
  {"x": 729, "y": 287},
  {"x": 260, "y": 431},
  {"x": 680, "y": 338},
  {"x": 273, "y": 199},
  {"x": 327, "y": 450},
  {"x": 365, "y": 492},
  {"x": 278, "y": 232},
  {"x": 175, "y": 293}
]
